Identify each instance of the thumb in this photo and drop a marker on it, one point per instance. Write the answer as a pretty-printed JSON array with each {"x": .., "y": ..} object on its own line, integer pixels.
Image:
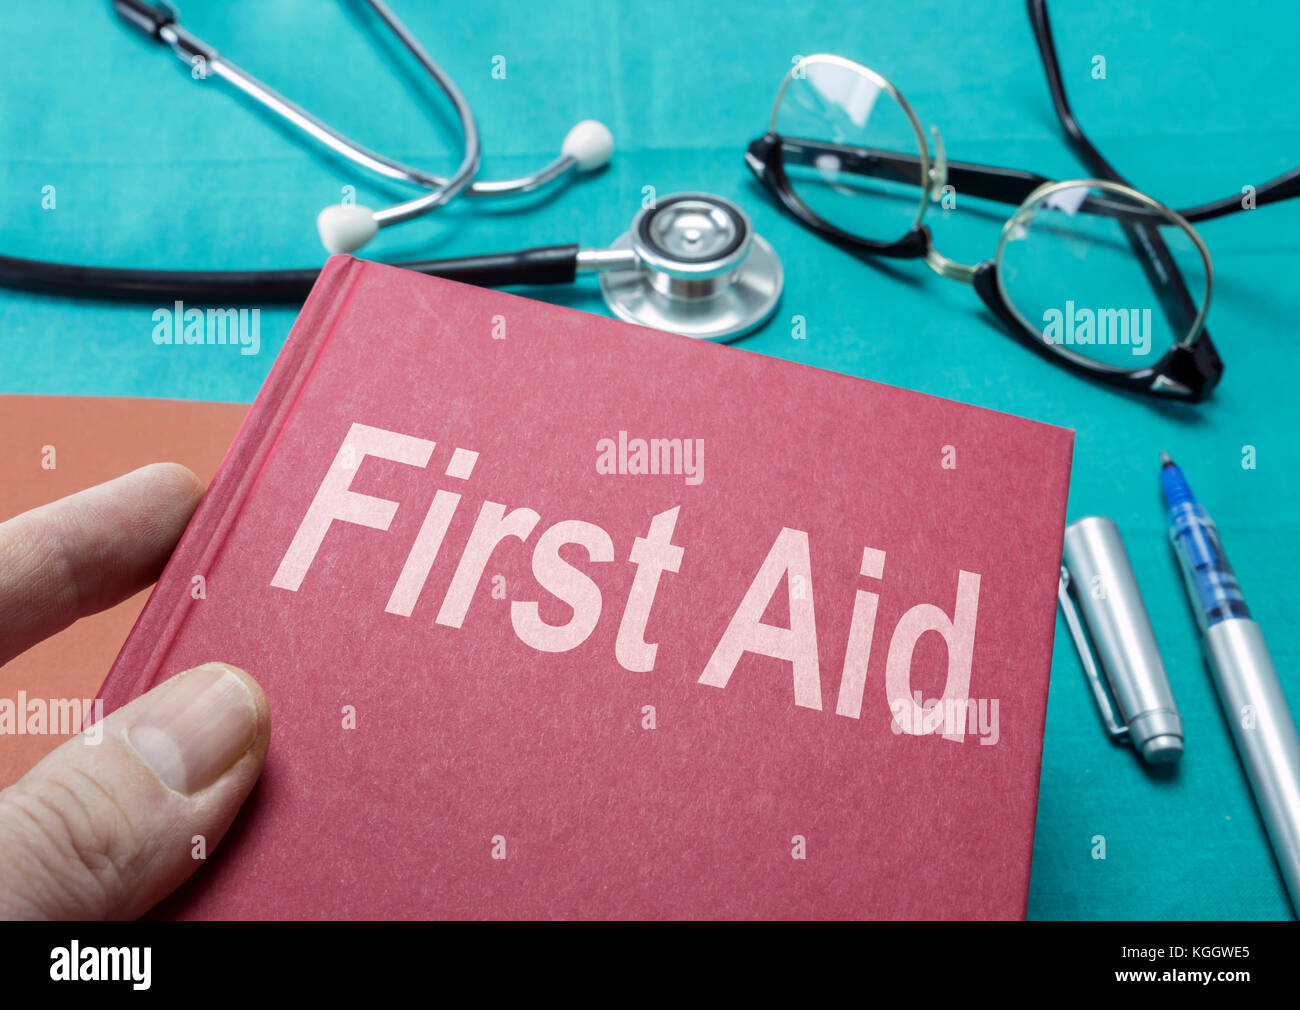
[{"x": 104, "y": 826}]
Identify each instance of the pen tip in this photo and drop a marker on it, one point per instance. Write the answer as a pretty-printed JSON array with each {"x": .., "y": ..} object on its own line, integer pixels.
[{"x": 1165, "y": 459}]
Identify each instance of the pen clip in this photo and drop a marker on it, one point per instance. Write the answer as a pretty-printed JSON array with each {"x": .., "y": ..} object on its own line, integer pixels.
[{"x": 1114, "y": 728}]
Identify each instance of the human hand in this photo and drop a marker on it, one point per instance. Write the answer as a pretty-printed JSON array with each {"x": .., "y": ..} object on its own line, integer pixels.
[{"x": 104, "y": 831}]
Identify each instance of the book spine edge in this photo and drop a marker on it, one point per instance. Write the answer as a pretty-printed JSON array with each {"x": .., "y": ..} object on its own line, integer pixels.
[{"x": 137, "y": 664}]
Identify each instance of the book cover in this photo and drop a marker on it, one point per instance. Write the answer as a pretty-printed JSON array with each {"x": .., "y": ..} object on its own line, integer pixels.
[{"x": 560, "y": 617}]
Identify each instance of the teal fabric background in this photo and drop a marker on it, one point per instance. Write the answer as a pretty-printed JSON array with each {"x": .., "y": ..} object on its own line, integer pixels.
[{"x": 153, "y": 169}]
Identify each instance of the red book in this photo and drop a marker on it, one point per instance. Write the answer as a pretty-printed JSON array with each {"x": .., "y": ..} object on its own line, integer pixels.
[{"x": 564, "y": 618}]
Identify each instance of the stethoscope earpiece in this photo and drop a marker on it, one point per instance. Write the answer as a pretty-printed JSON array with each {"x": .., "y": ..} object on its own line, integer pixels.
[
  {"x": 345, "y": 228},
  {"x": 589, "y": 144}
]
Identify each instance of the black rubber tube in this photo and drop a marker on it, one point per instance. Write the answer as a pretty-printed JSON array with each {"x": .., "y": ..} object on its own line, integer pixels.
[{"x": 544, "y": 265}]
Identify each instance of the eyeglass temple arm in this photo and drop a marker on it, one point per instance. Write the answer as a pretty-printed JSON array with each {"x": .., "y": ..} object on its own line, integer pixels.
[
  {"x": 1161, "y": 270},
  {"x": 988, "y": 182},
  {"x": 1009, "y": 185},
  {"x": 1283, "y": 187},
  {"x": 1005, "y": 185}
]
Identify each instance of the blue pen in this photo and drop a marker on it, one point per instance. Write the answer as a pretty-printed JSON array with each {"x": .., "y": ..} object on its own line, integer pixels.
[{"x": 1247, "y": 682}]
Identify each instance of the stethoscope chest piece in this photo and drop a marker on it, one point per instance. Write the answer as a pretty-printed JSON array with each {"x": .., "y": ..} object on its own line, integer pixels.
[{"x": 701, "y": 270}]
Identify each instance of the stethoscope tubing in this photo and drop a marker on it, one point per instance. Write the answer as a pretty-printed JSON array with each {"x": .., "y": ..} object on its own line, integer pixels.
[
  {"x": 678, "y": 280},
  {"x": 164, "y": 28},
  {"x": 557, "y": 264}
]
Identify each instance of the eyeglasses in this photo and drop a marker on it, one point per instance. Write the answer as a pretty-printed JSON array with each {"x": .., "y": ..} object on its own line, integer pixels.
[
  {"x": 1106, "y": 246},
  {"x": 1079, "y": 263}
]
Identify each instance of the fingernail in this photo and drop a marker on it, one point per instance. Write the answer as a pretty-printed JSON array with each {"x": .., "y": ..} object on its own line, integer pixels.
[{"x": 201, "y": 723}]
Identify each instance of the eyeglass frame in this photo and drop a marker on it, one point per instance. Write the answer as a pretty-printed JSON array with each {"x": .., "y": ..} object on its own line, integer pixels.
[
  {"x": 1187, "y": 371},
  {"x": 1190, "y": 371}
]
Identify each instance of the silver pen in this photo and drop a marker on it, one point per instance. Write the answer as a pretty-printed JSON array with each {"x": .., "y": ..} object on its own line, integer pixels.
[
  {"x": 1244, "y": 674},
  {"x": 1103, "y": 608}
]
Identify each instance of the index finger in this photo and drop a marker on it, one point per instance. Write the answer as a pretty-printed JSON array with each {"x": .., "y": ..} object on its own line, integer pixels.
[{"x": 89, "y": 551}]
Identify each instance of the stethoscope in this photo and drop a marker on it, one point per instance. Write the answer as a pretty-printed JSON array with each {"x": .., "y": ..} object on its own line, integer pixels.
[{"x": 691, "y": 263}]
